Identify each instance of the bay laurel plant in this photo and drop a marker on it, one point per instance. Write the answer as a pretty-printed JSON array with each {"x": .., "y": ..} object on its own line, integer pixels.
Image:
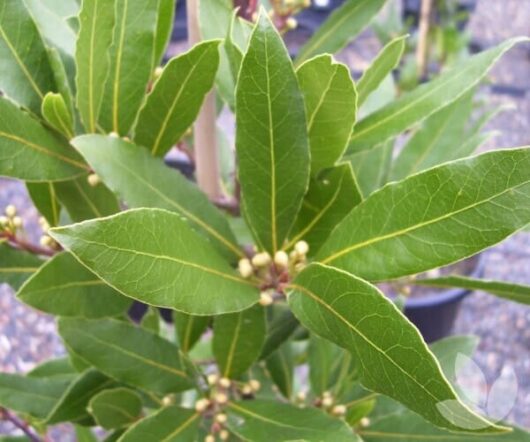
[{"x": 279, "y": 330}]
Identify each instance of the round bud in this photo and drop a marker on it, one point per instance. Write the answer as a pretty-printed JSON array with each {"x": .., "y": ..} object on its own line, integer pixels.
[
  {"x": 114, "y": 135},
  {"x": 209, "y": 438},
  {"x": 281, "y": 259},
  {"x": 212, "y": 379},
  {"x": 254, "y": 384},
  {"x": 293, "y": 256},
  {"x": 301, "y": 247},
  {"x": 224, "y": 382},
  {"x": 158, "y": 72},
  {"x": 224, "y": 434},
  {"x": 202, "y": 404},
  {"x": 327, "y": 402},
  {"x": 221, "y": 418},
  {"x": 261, "y": 259},
  {"x": 301, "y": 396},
  {"x": 365, "y": 422},
  {"x": 93, "y": 180},
  {"x": 221, "y": 398},
  {"x": 126, "y": 139},
  {"x": 168, "y": 400},
  {"x": 46, "y": 241},
  {"x": 245, "y": 268},
  {"x": 291, "y": 23},
  {"x": 339, "y": 410},
  {"x": 265, "y": 299},
  {"x": 326, "y": 394},
  {"x": 17, "y": 222},
  {"x": 4, "y": 221},
  {"x": 11, "y": 210},
  {"x": 246, "y": 390}
]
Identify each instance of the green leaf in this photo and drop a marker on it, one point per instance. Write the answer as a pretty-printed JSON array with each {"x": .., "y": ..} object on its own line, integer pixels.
[
  {"x": 127, "y": 353},
  {"x": 238, "y": 339},
  {"x": 143, "y": 181},
  {"x": 115, "y": 408},
  {"x": 383, "y": 65},
  {"x": 29, "y": 395},
  {"x": 59, "y": 367},
  {"x": 323, "y": 357},
  {"x": 159, "y": 260},
  {"x": 151, "y": 320},
  {"x": 16, "y": 265},
  {"x": 170, "y": 424},
  {"x": 26, "y": 75},
  {"x": 45, "y": 200},
  {"x": 372, "y": 167},
  {"x": 271, "y": 138},
  {"x": 265, "y": 421},
  {"x": 84, "y": 434},
  {"x": 64, "y": 79},
  {"x": 233, "y": 53},
  {"x": 331, "y": 107},
  {"x": 97, "y": 18},
  {"x": 83, "y": 201},
  {"x": 176, "y": 98},
  {"x": 351, "y": 313},
  {"x": 131, "y": 63},
  {"x": 279, "y": 328},
  {"x": 30, "y": 152},
  {"x": 56, "y": 113},
  {"x": 426, "y": 99},
  {"x": 71, "y": 407},
  {"x": 189, "y": 329},
  {"x": 63, "y": 287},
  {"x": 331, "y": 196},
  {"x": 164, "y": 28},
  {"x": 447, "y": 350},
  {"x": 343, "y": 24},
  {"x": 280, "y": 365},
  {"x": 506, "y": 290},
  {"x": 418, "y": 224}
]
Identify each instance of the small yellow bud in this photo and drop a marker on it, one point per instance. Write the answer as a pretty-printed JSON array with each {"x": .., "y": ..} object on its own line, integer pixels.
[
  {"x": 11, "y": 211},
  {"x": 301, "y": 247},
  {"x": 221, "y": 398},
  {"x": 306, "y": 3},
  {"x": 327, "y": 402},
  {"x": 4, "y": 221},
  {"x": 265, "y": 299},
  {"x": 209, "y": 438},
  {"x": 225, "y": 382},
  {"x": 46, "y": 241},
  {"x": 299, "y": 267},
  {"x": 365, "y": 422},
  {"x": 293, "y": 256},
  {"x": 245, "y": 268},
  {"x": 254, "y": 16},
  {"x": 212, "y": 379},
  {"x": 168, "y": 400},
  {"x": 301, "y": 396},
  {"x": 339, "y": 410},
  {"x": 224, "y": 434},
  {"x": 291, "y": 23},
  {"x": 221, "y": 418},
  {"x": 114, "y": 135},
  {"x": 93, "y": 180},
  {"x": 126, "y": 139},
  {"x": 246, "y": 390},
  {"x": 281, "y": 259},
  {"x": 158, "y": 72},
  {"x": 202, "y": 404},
  {"x": 261, "y": 259},
  {"x": 17, "y": 222},
  {"x": 254, "y": 384},
  {"x": 327, "y": 394}
]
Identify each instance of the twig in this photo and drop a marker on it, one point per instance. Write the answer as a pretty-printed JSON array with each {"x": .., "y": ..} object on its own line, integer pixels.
[
  {"x": 229, "y": 205},
  {"x": 19, "y": 243},
  {"x": 20, "y": 424},
  {"x": 423, "y": 38}
]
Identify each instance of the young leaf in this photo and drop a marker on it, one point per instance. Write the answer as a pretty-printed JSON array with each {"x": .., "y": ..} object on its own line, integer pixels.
[
  {"x": 279, "y": 328},
  {"x": 56, "y": 368},
  {"x": 189, "y": 329},
  {"x": 331, "y": 196},
  {"x": 176, "y": 98},
  {"x": 426, "y": 99},
  {"x": 154, "y": 256},
  {"x": 131, "y": 63},
  {"x": 343, "y": 24},
  {"x": 57, "y": 114},
  {"x": 280, "y": 365},
  {"x": 30, "y": 152},
  {"x": 16, "y": 265},
  {"x": 238, "y": 339},
  {"x": 143, "y": 181},
  {"x": 83, "y": 201},
  {"x": 506, "y": 290},
  {"x": 63, "y": 287},
  {"x": 97, "y": 19},
  {"x": 127, "y": 353},
  {"x": 265, "y": 421},
  {"x": 384, "y": 63},
  {"x": 340, "y": 307},
  {"x": 64, "y": 80},
  {"x": 271, "y": 138},
  {"x": 418, "y": 224},
  {"x": 164, "y": 28},
  {"x": 233, "y": 53},
  {"x": 71, "y": 407},
  {"x": 115, "y": 408},
  {"x": 331, "y": 106},
  {"x": 170, "y": 424},
  {"x": 25, "y": 73},
  {"x": 45, "y": 200}
]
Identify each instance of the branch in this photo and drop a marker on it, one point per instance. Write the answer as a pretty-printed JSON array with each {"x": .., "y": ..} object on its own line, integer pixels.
[
  {"x": 22, "y": 244},
  {"x": 20, "y": 424},
  {"x": 229, "y": 205}
]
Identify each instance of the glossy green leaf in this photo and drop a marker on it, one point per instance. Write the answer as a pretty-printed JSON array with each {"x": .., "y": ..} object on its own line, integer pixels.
[
  {"x": 16, "y": 265},
  {"x": 331, "y": 105},
  {"x": 330, "y": 197},
  {"x": 29, "y": 395},
  {"x": 143, "y": 181},
  {"x": 164, "y": 28},
  {"x": 506, "y": 290},
  {"x": 25, "y": 73},
  {"x": 238, "y": 339},
  {"x": 343, "y": 24},
  {"x": 324, "y": 357},
  {"x": 84, "y": 434},
  {"x": 351, "y": 313},
  {"x": 426, "y": 99},
  {"x": 97, "y": 18},
  {"x": 383, "y": 65},
  {"x": 56, "y": 113},
  {"x": 189, "y": 329},
  {"x": 280, "y": 327},
  {"x": 115, "y": 408},
  {"x": 83, "y": 201},
  {"x": 30, "y": 152},
  {"x": 418, "y": 224},
  {"x": 131, "y": 63},
  {"x": 151, "y": 320},
  {"x": 127, "y": 353},
  {"x": 59, "y": 367},
  {"x": 45, "y": 200},
  {"x": 63, "y": 287},
  {"x": 265, "y": 421},
  {"x": 170, "y": 424},
  {"x": 280, "y": 365},
  {"x": 71, "y": 407},
  {"x": 176, "y": 98},
  {"x": 271, "y": 138}
]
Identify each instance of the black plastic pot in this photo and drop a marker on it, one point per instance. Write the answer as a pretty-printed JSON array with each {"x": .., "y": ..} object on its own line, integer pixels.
[{"x": 435, "y": 314}]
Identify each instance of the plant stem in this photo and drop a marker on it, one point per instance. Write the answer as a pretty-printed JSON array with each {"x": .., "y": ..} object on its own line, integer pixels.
[
  {"x": 423, "y": 38},
  {"x": 205, "y": 143},
  {"x": 20, "y": 424},
  {"x": 22, "y": 244}
]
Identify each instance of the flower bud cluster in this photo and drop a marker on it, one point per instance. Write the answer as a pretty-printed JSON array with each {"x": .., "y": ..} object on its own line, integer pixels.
[
  {"x": 46, "y": 240},
  {"x": 327, "y": 402},
  {"x": 10, "y": 222}
]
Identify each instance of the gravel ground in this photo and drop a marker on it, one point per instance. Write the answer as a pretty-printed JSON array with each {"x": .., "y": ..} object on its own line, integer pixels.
[{"x": 28, "y": 337}]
